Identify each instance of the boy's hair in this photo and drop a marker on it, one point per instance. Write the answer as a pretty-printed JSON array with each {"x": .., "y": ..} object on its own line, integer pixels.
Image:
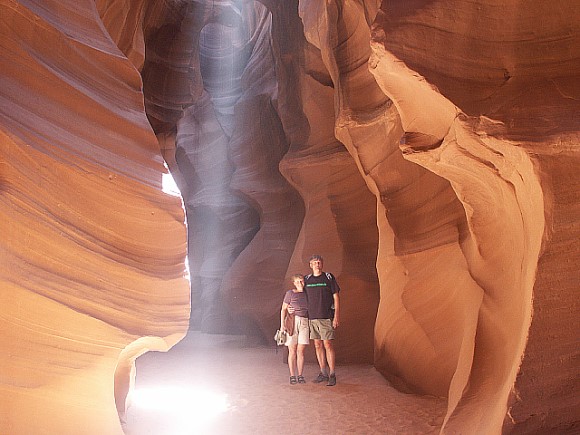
[{"x": 296, "y": 276}]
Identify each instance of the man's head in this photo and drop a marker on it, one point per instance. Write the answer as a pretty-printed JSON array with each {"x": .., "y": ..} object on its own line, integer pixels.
[{"x": 315, "y": 263}]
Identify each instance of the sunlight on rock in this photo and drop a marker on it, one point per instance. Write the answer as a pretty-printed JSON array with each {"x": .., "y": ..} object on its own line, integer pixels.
[
  {"x": 428, "y": 150},
  {"x": 180, "y": 410},
  {"x": 169, "y": 186}
]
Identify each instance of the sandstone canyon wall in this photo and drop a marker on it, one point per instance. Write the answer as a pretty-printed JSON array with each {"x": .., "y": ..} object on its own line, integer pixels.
[
  {"x": 515, "y": 111},
  {"x": 225, "y": 85},
  {"x": 427, "y": 149},
  {"x": 91, "y": 252}
]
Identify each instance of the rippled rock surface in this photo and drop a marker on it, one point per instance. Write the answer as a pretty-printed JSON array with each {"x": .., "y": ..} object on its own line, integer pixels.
[
  {"x": 92, "y": 251},
  {"x": 428, "y": 150}
]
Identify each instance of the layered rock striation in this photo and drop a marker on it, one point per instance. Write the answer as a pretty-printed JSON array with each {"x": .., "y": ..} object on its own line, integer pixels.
[
  {"x": 496, "y": 152},
  {"x": 428, "y": 150},
  {"x": 92, "y": 251}
]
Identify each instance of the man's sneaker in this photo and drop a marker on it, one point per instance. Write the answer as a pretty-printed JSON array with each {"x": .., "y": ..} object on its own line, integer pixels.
[
  {"x": 321, "y": 378},
  {"x": 331, "y": 380}
]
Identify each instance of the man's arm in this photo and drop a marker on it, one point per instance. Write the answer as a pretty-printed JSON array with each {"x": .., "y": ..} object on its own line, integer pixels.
[{"x": 335, "y": 321}]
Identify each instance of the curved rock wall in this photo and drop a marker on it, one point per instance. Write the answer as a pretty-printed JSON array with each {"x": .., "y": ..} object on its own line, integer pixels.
[
  {"x": 92, "y": 251},
  {"x": 427, "y": 149},
  {"x": 498, "y": 159},
  {"x": 249, "y": 230}
]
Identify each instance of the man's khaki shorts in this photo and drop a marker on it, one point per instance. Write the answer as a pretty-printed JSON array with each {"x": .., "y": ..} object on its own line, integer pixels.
[{"x": 321, "y": 329}]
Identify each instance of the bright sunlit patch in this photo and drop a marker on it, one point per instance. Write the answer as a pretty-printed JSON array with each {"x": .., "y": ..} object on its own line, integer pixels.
[
  {"x": 187, "y": 274},
  {"x": 184, "y": 409},
  {"x": 169, "y": 185}
]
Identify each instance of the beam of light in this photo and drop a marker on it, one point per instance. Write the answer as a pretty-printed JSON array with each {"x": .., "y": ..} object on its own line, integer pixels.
[
  {"x": 181, "y": 410},
  {"x": 169, "y": 185}
]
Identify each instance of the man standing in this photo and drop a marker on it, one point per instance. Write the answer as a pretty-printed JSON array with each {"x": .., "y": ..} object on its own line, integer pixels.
[{"x": 324, "y": 313}]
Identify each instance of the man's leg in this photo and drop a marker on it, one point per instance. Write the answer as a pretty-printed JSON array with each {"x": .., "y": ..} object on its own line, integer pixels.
[
  {"x": 320, "y": 355},
  {"x": 330, "y": 355},
  {"x": 328, "y": 345}
]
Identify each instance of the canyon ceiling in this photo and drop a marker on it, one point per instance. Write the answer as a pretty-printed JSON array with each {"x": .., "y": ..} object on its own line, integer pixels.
[{"x": 428, "y": 149}]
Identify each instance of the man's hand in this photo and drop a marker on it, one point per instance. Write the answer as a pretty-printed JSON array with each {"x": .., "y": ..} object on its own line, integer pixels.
[
  {"x": 336, "y": 299},
  {"x": 290, "y": 309}
]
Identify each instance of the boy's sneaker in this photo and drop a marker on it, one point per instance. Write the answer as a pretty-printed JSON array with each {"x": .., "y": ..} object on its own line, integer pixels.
[
  {"x": 301, "y": 379},
  {"x": 331, "y": 380},
  {"x": 321, "y": 378}
]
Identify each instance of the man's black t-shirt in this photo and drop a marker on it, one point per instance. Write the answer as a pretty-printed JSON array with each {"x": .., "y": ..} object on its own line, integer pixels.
[{"x": 319, "y": 290}]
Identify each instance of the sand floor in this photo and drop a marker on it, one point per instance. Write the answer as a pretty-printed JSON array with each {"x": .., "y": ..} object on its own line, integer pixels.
[{"x": 211, "y": 384}]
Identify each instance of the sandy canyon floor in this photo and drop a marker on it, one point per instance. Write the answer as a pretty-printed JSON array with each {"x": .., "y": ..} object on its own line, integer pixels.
[{"x": 214, "y": 384}]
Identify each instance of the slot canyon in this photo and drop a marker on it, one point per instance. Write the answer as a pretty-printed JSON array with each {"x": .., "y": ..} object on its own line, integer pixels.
[{"x": 429, "y": 150}]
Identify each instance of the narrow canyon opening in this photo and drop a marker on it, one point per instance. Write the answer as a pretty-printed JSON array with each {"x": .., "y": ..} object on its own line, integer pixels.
[
  {"x": 427, "y": 150},
  {"x": 277, "y": 153}
]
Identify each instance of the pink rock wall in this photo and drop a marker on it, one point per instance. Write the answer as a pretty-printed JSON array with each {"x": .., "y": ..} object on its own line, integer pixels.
[
  {"x": 92, "y": 251},
  {"x": 502, "y": 69},
  {"x": 249, "y": 229},
  {"x": 428, "y": 150}
]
